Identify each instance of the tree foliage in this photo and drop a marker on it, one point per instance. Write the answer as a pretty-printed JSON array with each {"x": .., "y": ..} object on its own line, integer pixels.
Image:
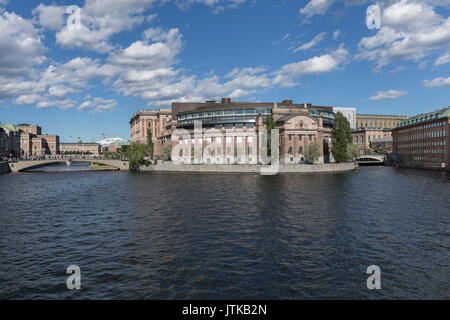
[
  {"x": 150, "y": 143},
  {"x": 352, "y": 152},
  {"x": 270, "y": 124},
  {"x": 136, "y": 155},
  {"x": 341, "y": 138},
  {"x": 312, "y": 152},
  {"x": 167, "y": 153}
]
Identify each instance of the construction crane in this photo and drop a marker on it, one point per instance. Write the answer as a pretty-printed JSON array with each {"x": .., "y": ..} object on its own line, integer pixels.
[{"x": 104, "y": 135}]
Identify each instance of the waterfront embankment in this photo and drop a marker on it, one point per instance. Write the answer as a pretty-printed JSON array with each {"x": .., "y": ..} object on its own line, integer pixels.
[
  {"x": 169, "y": 166},
  {"x": 4, "y": 167}
]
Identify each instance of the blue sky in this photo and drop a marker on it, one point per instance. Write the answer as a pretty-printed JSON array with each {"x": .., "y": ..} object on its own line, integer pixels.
[{"x": 87, "y": 79}]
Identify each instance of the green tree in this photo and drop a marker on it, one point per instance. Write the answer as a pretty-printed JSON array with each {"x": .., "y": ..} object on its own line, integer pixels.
[
  {"x": 341, "y": 137},
  {"x": 270, "y": 124},
  {"x": 150, "y": 143},
  {"x": 312, "y": 152},
  {"x": 352, "y": 152},
  {"x": 136, "y": 155},
  {"x": 167, "y": 153}
]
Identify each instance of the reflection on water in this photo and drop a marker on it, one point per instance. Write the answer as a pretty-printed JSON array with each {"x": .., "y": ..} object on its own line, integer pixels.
[{"x": 176, "y": 236}]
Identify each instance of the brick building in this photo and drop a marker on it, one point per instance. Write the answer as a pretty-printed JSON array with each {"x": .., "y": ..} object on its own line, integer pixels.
[
  {"x": 34, "y": 143},
  {"x": 423, "y": 140}
]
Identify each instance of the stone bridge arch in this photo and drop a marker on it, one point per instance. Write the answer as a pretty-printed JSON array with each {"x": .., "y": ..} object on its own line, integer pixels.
[{"x": 28, "y": 164}]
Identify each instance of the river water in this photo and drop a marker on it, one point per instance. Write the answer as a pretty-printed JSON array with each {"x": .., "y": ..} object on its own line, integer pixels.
[{"x": 212, "y": 236}]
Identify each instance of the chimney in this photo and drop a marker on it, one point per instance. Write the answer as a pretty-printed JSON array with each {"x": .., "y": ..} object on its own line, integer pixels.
[{"x": 226, "y": 100}]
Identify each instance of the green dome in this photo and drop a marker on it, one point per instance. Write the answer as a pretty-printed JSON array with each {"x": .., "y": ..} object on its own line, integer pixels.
[{"x": 10, "y": 127}]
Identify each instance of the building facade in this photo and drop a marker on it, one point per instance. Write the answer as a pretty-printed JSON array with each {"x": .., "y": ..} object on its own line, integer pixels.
[
  {"x": 364, "y": 138},
  {"x": 373, "y": 127},
  {"x": 376, "y": 121},
  {"x": 231, "y": 132},
  {"x": 382, "y": 145},
  {"x": 423, "y": 140},
  {"x": 155, "y": 120},
  {"x": 9, "y": 140},
  {"x": 80, "y": 147},
  {"x": 35, "y": 144}
]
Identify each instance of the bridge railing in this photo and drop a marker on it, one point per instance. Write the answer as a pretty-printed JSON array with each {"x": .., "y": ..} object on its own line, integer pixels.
[{"x": 65, "y": 158}]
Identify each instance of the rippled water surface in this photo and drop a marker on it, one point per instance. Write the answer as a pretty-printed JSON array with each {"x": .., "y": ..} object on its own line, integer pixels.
[{"x": 190, "y": 236}]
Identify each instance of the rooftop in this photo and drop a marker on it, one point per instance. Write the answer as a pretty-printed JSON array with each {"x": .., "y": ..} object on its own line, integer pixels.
[
  {"x": 425, "y": 117},
  {"x": 9, "y": 127}
]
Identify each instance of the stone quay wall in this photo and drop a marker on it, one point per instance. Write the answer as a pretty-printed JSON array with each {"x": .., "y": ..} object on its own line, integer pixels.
[
  {"x": 4, "y": 167},
  {"x": 168, "y": 166}
]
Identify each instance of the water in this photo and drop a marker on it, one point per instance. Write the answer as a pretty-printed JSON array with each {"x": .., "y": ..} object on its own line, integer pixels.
[{"x": 190, "y": 236}]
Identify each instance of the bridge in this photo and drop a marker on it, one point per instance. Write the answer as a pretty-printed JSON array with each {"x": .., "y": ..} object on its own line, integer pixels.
[
  {"x": 22, "y": 165},
  {"x": 371, "y": 159}
]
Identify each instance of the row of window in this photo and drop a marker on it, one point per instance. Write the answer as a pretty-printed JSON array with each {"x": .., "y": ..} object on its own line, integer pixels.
[
  {"x": 300, "y": 137},
  {"x": 427, "y": 159},
  {"x": 422, "y": 127},
  {"x": 300, "y": 150},
  {"x": 215, "y": 140},
  {"x": 426, "y": 151},
  {"x": 424, "y": 135},
  {"x": 218, "y": 113},
  {"x": 422, "y": 144},
  {"x": 206, "y": 120}
]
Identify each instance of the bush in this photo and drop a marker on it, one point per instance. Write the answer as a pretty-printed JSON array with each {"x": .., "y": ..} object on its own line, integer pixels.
[{"x": 312, "y": 152}]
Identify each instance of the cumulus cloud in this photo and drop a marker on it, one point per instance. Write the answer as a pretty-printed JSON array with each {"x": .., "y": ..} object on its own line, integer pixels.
[
  {"x": 444, "y": 59},
  {"x": 97, "y": 105},
  {"x": 50, "y": 17},
  {"x": 316, "y": 65},
  {"x": 20, "y": 45},
  {"x": 315, "y": 7},
  {"x": 438, "y": 82},
  {"x": 146, "y": 69},
  {"x": 387, "y": 95},
  {"x": 410, "y": 30},
  {"x": 315, "y": 41}
]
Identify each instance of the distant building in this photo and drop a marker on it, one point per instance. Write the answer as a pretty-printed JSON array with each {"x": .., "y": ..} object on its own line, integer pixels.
[
  {"x": 424, "y": 140},
  {"x": 363, "y": 138},
  {"x": 349, "y": 113},
  {"x": 34, "y": 143},
  {"x": 80, "y": 147},
  {"x": 377, "y": 121},
  {"x": 373, "y": 127},
  {"x": 9, "y": 140},
  {"x": 382, "y": 145},
  {"x": 155, "y": 120}
]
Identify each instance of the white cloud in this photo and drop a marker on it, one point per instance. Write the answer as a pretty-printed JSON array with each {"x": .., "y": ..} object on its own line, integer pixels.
[
  {"x": 20, "y": 45},
  {"x": 315, "y": 7},
  {"x": 97, "y": 105},
  {"x": 27, "y": 99},
  {"x": 438, "y": 82},
  {"x": 50, "y": 17},
  {"x": 216, "y": 5},
  {"x": 100, "y": 20},
  {"x": 444, "y": 59},
  {"x": 316, "y": 65},
  {"x": 410, "y": 30},
  {"x": 315, "y": 41},
  {"x": 336, "y": 34},
  {"x": 385, "y": 95}
]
